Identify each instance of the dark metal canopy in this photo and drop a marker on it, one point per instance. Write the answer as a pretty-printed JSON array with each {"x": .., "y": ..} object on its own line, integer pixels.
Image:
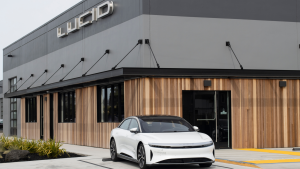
[{"x": 121, "y": 74}]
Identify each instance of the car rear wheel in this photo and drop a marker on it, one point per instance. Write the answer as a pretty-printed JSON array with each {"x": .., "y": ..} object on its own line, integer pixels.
[
  {"x": 141, "y": 157},
  {"x": 113, "y": 150},
  {"x": 205, "y": 165}
]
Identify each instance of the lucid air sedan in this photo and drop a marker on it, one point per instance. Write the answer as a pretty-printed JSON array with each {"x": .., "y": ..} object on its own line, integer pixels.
[{"x": 151, "y": 140}]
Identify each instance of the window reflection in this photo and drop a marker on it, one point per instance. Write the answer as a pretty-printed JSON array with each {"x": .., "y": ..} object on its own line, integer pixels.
[{"x": 110, "y": 103}]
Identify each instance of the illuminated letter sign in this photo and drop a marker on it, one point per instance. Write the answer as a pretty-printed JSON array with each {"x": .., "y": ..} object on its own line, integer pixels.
[
  {"x": 69, "y": 26},
  {"x": 110, "y": 9},
  {"x": 95, "y": 13},
  {"x": 83, "y": 16}
]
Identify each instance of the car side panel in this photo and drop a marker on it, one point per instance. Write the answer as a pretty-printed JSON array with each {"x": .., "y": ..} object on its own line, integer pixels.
[
  {"x": 124, "y": 141},
  {"x": 133, "y": 140},
  {"x": 117, "y": 135}
]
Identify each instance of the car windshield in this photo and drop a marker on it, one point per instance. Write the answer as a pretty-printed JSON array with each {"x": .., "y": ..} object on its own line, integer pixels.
[
  {"x": 164, "y": 124},
  {"x": 1, "y": 121}
]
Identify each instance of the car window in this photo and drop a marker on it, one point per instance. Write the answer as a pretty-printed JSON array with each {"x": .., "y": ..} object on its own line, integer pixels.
[
  {"x": 134, "y": 124},
  {"x": 125, "y": 124},
  {"x": 165, "y": 124}
]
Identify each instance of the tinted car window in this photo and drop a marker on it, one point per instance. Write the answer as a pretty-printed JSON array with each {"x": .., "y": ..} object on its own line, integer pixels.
[
  {"x": 125, "y": 124},
  {"x": 134, "y": 124},
  {"x": 164, "y": 124}
]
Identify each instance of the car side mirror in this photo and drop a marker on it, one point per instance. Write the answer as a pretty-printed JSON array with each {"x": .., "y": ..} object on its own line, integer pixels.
[
  {"x": 134, "y": 130},
  {"x": 196, "y": 128}
]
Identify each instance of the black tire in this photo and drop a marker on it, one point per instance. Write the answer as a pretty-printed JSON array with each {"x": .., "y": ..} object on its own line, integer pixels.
[
  {"x": 205, "y": 165},
  {"x": 141, "y": 157},
  {"x": 113, "y": 150}
]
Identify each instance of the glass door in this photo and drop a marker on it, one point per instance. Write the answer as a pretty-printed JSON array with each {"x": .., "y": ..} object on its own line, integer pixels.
[
  {"x": 205, "y": 112},
  {"x": 223, "y": 120},
  {"x": 210, "y": 112}
]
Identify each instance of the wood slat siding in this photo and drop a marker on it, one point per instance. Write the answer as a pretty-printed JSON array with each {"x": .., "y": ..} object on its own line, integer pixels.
[
  {"x": 263, "y": 114},
  {"x": 30, "y": 130},
  {"x": 86, "y": 131}
]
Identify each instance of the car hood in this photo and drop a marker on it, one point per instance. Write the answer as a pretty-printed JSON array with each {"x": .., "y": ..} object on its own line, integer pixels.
[{"x": 176, "y": 137}]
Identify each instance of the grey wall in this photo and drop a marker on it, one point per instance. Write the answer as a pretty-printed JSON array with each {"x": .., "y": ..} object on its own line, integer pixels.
[
  {"x": 183, "y": 34},
  {"x": 44, "y": 40},
  {"x": 194, "y": 42},
  {"x": 42, "y": 49}
]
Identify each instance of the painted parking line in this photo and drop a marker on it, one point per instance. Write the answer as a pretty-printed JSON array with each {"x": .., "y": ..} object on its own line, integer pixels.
[
  {"x": 274, "y": 161},
  {"x": 272, "y": 151},
  {"x": 237, "y": 163}
]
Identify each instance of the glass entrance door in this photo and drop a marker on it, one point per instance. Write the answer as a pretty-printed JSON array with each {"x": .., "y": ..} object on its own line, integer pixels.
[{"x": 210, "y": 111}]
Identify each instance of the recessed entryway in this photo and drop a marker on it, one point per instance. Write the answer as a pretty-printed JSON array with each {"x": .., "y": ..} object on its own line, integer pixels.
[{"x": 209, "y": 110}]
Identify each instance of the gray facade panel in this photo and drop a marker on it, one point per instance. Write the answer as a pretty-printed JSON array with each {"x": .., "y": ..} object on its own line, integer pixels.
[
  {"x": 271, "y": 10},
  {"x": 196, "y": 42},
  {"x": 34, "y": 35},
  {"x": 123, "y": 11},
  {"x": 91, "y": 3},
  {"x": 12, "y": 47},
  {"x": 1, "y": 89}
]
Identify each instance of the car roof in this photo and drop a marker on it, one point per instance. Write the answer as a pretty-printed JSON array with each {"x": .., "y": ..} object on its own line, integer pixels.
[{"x": 156, "y": 116}]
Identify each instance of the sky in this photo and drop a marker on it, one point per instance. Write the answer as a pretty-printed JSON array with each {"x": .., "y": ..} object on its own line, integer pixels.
[{"x": 20, "y": 17}]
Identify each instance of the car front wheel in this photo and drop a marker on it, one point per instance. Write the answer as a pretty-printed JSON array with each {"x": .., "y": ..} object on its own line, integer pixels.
[
  {"x": 141, "y": 157},
  {"x": 113, "y": 150}
]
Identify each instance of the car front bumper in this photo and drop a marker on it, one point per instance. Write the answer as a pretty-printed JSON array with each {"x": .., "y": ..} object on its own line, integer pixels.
[{"x": 179, "y": 156}]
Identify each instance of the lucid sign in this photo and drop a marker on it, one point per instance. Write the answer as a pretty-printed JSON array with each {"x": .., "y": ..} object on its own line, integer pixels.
[{"x": 96, "y": 13}]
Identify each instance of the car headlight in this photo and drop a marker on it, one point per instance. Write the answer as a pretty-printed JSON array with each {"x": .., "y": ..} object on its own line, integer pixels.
[{"x": 205, "y": 137}]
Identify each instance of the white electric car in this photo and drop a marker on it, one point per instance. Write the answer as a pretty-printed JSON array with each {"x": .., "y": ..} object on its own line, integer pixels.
[{"x": 150, "y": 140}]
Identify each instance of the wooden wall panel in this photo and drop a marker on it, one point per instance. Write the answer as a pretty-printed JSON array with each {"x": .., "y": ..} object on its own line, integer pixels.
[
  {"x": 30, "y": 130},
  {"x": 85, "y": 131},
  {"x": 263, "y": 114}
]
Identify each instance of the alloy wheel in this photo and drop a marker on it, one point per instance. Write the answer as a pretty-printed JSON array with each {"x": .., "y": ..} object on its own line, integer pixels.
[
  {"x": 141, "y": 157},
  {"x": 113, "y": 150}
]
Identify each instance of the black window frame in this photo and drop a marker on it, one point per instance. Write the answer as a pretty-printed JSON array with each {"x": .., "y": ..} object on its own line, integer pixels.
[
  {"x": 67, "y": 106},
  {"x": 13, "y": 110},
  {"x": 31, "y": 110},
  {"x": 115, "y": 107}
]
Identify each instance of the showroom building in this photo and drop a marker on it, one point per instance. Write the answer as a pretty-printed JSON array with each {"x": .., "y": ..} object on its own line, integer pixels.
[{"x": 229, "y": 67}]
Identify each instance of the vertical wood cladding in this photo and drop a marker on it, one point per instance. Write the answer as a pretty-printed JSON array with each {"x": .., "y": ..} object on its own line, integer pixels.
[
  {"x": 30, "y": 130},
  {"x": 85, "y": 131},
  {"x": 263, "y": 114}
]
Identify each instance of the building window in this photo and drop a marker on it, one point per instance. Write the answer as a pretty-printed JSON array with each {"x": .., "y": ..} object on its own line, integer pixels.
[
  {"x": 13, "y": 107},
  {"x": 110, "y": 103},
  {"x": 30, "y": 110},
  {"x": 67, "y": 107}
]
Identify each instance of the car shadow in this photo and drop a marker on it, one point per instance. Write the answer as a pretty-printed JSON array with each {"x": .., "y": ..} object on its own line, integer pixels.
[{"x": 186, "y": 166}]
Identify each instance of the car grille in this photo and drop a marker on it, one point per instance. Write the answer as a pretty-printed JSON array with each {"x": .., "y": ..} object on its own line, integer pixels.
[{"x": 186, "y": 160}]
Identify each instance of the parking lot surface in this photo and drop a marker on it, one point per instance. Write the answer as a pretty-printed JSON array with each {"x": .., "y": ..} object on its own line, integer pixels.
[{"x": 99, "y": 158}]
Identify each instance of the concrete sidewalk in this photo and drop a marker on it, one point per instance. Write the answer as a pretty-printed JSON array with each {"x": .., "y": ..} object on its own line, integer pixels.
[
  {"x": 262, "y": 157},
  {"x": 94, "y": 160},
  {"x": 232, "y": 159}
]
